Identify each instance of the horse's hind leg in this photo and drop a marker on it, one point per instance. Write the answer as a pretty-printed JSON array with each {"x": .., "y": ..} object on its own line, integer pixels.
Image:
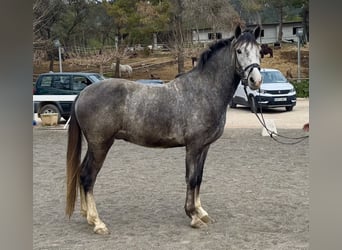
[
  {"x": 83, "y": 202},
  {"x": 91, "y": 166}
]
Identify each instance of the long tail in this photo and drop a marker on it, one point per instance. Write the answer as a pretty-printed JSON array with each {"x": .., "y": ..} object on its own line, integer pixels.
[{"x": 73, "y": 162}]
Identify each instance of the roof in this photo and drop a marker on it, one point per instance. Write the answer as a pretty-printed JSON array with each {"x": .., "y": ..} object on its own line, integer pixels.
[
  {"x": 70, "y": 73},
  {"x": 268, "y": 69}
]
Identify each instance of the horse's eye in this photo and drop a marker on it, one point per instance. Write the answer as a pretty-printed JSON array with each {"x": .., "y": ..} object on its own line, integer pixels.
[{"x": 239, "y": 51}]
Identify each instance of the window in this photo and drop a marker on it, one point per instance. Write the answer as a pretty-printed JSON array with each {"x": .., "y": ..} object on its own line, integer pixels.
[
  {"x": 46, "y": 81},
  {"x": 80, "y": 82},
  {"x": 213, "y": 36},
  {"x": 294, "y": 30},
  {"x": 262, "y": 33},
  {"x": 61, "y": 82}
]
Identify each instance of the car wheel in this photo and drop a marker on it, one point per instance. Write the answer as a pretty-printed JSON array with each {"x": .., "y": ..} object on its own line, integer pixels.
[
  {"x": 252, "y": 104},
  {"x": 50, "y": 108},
  {"x": 289, "y": 108}
]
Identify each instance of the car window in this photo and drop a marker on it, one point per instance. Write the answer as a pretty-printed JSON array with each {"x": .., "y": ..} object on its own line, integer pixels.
[
  {"x": 80, "y": 82},
  {"x": 96, "y": 77},
  {"x": 273, "y": 77},
  {"x": 61, "y": 82},
  {"x": 46, "y": 81}
]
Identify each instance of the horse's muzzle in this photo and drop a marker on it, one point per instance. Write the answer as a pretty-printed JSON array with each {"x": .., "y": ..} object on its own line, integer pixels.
[
  {"x": 255, "y": 84},
  {"x": 254, "y": 78}
]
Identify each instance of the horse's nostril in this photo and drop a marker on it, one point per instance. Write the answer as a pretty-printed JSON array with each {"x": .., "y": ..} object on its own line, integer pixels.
[{"x": 252, "y": 80}]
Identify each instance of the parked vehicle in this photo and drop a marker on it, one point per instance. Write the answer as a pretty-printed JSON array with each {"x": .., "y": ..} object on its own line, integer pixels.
[
  {"x": 55, "y": 92},
  {"x": 150, "y": 81},
  {"x": 275, "y": 91}
]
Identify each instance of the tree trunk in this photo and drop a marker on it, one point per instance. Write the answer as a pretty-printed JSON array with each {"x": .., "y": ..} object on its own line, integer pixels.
[
  {"x": 51, "y": 65},
  {"x": 179, "y": 36},
  {"x": 117, "y": 68},
  {"x": 280, "y": 32},
  {"x": 180, "y": 61}
]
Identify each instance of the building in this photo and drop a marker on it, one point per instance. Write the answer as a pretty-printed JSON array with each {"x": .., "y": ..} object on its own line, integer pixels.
[{"x": 269, "y": 33}]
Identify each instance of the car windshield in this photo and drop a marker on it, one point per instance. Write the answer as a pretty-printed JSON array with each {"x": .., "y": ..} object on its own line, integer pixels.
[
  {"x": 273, "y": 77},
  {"x": 96, "y": 77}
]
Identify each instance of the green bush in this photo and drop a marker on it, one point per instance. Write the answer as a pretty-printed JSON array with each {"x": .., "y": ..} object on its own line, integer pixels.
[{"x": 302, "y": 88}]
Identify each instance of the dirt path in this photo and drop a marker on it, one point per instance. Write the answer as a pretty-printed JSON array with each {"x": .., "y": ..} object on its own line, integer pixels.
[{"x": 256, "y": 189}]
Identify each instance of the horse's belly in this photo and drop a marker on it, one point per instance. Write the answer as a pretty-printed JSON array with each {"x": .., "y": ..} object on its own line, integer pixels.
[{"x": 150, "y": 139}]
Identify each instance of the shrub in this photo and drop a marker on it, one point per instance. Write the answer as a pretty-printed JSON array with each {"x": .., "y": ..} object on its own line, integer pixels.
[{"x": 302, "y": 88}]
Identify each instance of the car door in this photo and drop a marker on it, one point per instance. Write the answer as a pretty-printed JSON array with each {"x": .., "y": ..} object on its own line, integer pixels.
[{"x": 62, "y": 85}]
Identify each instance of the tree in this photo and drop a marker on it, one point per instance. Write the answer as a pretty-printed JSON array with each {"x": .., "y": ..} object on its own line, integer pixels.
[
  {"x": 123, "y": 13},
  {"x": 177, "y": 31},
  {"x": 45, "y": 15},
  {"x": 282, "y": 7},
  {"x": 189, "y": 14},
  {"x": 249, "y": 10},
  {"x": 305, "y": 17},
  {"x": 216, "y": 14},
  {"x": 153, "y": 17},
  {"x": 71, "y": 26}
]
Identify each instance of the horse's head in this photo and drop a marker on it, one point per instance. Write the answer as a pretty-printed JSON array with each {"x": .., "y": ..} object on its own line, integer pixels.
[{"x": 247, "y": 56}]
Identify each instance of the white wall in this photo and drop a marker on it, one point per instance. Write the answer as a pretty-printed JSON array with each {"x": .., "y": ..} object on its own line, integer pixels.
[{"x": 270, "y": 33}]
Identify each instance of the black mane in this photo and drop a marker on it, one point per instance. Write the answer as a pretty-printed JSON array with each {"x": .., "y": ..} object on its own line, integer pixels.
[
  {"x": 207, "y": 54},
  {"x": 247, "y": 36}
]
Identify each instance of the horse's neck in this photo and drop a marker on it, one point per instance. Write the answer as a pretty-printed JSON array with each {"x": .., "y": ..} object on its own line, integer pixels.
[{"x": 221, "y": 78}]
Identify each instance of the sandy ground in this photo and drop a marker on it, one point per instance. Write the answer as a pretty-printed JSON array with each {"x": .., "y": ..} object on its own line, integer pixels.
[
  {"x": 241, "y": 117},
  {"x": 255, "y": 189}
]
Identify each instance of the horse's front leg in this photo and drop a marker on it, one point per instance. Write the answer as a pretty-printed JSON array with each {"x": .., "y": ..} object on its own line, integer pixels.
[
  {"x": 194, "y": 170},
  {"x": 190, "y": 208},
  {"x": 202, "y": 214}
]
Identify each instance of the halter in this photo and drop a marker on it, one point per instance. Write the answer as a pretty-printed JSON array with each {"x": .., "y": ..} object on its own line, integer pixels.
[
  {"x": 250, "y": 67},
  {"x": 241, "y": 71}
]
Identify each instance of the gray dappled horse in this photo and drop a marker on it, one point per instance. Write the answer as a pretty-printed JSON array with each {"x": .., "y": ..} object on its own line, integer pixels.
[{"x": 188, "y": 111}]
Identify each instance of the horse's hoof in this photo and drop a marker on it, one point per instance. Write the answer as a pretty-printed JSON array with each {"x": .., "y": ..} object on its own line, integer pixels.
[
  {"x": 206, "y": 219},
  {"x": 102, "y": 231},
  {"x": 197, "y": 223}
]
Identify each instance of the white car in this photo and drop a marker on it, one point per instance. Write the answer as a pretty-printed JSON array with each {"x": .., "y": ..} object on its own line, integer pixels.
[{"x": 275, "y": 91}]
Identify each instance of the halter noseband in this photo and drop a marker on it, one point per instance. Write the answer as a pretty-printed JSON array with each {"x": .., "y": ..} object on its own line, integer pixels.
[{"x": 250, "y": 67}]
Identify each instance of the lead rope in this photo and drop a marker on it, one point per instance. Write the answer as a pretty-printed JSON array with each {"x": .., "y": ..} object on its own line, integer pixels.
[{"x": 270, "y": 132}]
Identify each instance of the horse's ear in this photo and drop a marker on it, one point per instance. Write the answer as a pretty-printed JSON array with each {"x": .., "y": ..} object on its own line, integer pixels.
[
  {"x": 237, "y": 32},
  {"x": 257, "y": 32}
]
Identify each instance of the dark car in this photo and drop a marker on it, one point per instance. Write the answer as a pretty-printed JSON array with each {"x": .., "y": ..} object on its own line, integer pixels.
[
  {"x": 55, "y": 92},
  {"x": 275, "y": 91}
]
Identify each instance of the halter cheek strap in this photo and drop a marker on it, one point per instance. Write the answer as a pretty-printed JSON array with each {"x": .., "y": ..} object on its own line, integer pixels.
[{"x": 250, "y": 67}]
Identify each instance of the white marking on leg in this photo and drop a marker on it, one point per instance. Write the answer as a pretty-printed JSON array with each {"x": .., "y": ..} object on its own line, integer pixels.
[
  {"x": 93, "y": 216},
  {"x": 202, "y": 214},
  {"x": 83, "y": 202}
]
